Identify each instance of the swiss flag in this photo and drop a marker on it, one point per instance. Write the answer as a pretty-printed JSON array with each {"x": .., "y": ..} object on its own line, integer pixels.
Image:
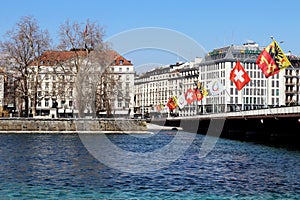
[
  {"x": 239, "y": 76},
  {"x": 190, "y": 96}
]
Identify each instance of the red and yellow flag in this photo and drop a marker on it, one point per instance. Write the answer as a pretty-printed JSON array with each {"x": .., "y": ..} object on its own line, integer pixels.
[
  {"x": 200, "y": 91},
  {"x": 172, "y": 103},
  {"x": 272, "y": 60}
]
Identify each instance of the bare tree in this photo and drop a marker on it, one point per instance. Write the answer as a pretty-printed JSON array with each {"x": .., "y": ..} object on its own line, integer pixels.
[
  {"x": 25, "y": 43},
  {"x": 107, "y": 88},
  {"x": 91, "y": 60}
]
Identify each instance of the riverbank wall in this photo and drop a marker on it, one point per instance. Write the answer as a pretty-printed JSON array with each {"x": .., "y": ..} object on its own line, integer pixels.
[{"x": 38, "y": 125}]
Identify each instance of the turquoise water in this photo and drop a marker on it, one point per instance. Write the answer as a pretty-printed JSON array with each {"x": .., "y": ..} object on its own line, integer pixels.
[{"x": 60, "y": 167}]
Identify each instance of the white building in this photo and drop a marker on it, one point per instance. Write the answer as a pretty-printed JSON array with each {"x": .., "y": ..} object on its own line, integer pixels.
[
  {"x": 57, "y": 76},
  {"x": 292, "y": 82},
  {"x": 156, "y": 86},
  {"x": 123, "y": 69},
  {"x": 260, "y": 92},
  {"x": 1, "y": 91}
]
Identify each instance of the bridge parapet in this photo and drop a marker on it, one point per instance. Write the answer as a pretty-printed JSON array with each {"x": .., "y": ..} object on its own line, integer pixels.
[{"x": 270, "y": 112}]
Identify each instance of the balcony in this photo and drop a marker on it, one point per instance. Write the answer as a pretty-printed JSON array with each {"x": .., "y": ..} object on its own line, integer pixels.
[
  {"x": 290, "y": 83},
  {"x": 291, "y": 76},
  {"x": 291, "y": 92}
]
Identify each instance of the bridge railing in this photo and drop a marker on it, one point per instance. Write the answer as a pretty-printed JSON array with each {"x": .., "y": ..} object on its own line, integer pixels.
[{"x": 259, "y": 112}]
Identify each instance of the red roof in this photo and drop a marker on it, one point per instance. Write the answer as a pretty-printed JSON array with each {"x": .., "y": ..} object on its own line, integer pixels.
[
  {"x": 118, "y": 59},
  {"x": 51, "y": 58}
]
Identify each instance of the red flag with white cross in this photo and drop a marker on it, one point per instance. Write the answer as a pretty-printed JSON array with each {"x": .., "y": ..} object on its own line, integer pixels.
[
  {"x": 239, "y": 76},
  {"x": 190, "y": 96}
]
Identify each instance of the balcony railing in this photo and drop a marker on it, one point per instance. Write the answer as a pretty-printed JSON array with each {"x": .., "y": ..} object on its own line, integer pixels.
[
  {"x": 290, "y": 83},
  {"x": 291, "y": 76},
  {"x": 291, "y": 92}
]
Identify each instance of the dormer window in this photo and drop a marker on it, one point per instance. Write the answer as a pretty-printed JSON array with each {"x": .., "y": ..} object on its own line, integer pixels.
[{"x": 121, "y": 62}]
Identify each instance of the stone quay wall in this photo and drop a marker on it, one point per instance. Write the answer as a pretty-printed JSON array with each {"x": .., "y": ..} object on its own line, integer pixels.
[{"x": 34, "y": 125}]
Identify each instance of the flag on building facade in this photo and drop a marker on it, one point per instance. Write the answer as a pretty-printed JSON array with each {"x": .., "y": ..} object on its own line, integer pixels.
[
  {"x": 166, "y": 109},
  {"x": 200, "y": 91},
  {"x": 159, "y": 107},
  {"x": 198, "y": 94},
  {"x": 172, "y": 103},
  {"x": 239, "y": 76},
  {"x": 272, "y": 60},
  {"x": 215, "y": 87},
  {"x": 181, "y": 101},
  {"x": 190, "y": 96}
]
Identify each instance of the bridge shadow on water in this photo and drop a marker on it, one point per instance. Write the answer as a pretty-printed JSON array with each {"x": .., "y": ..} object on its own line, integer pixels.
[{"x": 280, "y": 132}]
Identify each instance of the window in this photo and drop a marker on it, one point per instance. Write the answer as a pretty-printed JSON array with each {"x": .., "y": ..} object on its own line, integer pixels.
[
  {"x": 121, "y": 62},
  {"x": 46, "y": 103},
  {"x": 119, "y": 104},
  {"x": 70, "y": 103}
]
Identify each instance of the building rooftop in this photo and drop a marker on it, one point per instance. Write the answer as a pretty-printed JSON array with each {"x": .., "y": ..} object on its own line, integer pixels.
[{"x": 51, "y": 58}]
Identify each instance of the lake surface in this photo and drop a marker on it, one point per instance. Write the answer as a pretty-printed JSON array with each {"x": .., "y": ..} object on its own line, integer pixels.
[{"x": 60, "y": 167}]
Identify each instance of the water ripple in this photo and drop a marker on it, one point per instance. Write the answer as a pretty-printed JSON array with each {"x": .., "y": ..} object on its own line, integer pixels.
[{"x": 59, "y": 167}]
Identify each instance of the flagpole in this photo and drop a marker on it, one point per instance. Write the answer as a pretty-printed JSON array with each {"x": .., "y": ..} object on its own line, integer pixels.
[
  {"x": 143, "y": 103},
  {"x": 230, "y": 96},
  {"x": 243, "y": 104}
]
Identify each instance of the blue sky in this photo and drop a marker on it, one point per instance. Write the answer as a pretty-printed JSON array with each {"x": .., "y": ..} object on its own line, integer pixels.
[{"x": 212, "y": 24}]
